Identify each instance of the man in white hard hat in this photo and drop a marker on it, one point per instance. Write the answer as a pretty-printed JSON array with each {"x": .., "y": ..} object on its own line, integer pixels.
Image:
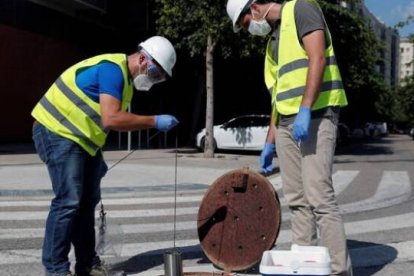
[
  {"x": 303, "y": 78},
  {"x": 72, "y": 121}
]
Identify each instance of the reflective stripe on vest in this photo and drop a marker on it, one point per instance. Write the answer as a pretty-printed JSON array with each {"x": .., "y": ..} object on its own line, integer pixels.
[
  {"x": 67, "y": 111},
  {"x": 301, "y": 63},
  {"x": 79, "y": 103},
  {"x": 292, "y": 69},
  {"x": 299, "y": 91},
  {"x": 59, "y": 117}
]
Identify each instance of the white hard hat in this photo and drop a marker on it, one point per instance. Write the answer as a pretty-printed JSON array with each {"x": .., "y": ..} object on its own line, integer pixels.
[
  {"x": 234, "y": 9},
  {"x": 161, "y": 49}
]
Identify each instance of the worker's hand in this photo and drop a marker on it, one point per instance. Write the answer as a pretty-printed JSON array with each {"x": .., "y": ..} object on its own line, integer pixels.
[
  {"x": 266, "y": 158},
  {"x": 165, "y": 122},
  {"x": 300, "y": 129}
]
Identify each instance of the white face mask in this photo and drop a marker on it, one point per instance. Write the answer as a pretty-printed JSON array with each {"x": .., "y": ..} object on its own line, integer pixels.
[
  {"x": 142, "y": 82},
  {"x": 260, "y": 27}
]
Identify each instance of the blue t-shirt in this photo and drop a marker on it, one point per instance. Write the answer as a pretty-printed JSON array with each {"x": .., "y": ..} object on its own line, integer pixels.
[{"x": 105, "y": 77}]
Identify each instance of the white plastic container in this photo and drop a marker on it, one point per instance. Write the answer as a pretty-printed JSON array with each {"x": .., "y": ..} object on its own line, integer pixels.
[{"x": 300, "y": 260}]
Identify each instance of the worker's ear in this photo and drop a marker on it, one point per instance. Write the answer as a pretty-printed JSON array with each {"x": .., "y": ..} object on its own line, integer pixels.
[
  {"x": 255, "y": 8},
  {"x": 142, "y": 64},
  {"x": 141, "y": 58}
]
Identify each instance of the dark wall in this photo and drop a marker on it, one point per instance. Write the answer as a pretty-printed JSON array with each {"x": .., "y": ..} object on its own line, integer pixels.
[
  {"x": 38, "y": 43},
  {"x": 29, "y": 63}
]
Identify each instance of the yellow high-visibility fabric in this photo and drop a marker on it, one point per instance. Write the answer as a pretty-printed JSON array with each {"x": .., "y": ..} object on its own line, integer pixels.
[
  {"x": 270, "y": 73},
  {"x": 67, "y": 111}
]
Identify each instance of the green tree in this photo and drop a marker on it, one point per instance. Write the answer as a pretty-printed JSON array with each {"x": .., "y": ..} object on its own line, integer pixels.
[
  {"x": 199, "y": 28},
  {"x": 403, "y": 100},
  {"x": 403, "y": 104},
  {"x": 357, "y": 50}
]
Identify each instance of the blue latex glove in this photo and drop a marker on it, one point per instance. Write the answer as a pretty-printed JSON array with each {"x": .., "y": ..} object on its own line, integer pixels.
[
  {"x": 165, "y": 122},
  {"x": 301, "y": 125},
  {"x": 266, "y": 158}
]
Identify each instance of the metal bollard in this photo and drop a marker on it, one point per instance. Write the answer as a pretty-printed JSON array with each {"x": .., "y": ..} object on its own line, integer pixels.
[{"x": 173, "y": 265}]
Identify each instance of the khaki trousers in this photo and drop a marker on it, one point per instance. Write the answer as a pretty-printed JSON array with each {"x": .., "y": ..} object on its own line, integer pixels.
[{"x": 306, "y": 170}]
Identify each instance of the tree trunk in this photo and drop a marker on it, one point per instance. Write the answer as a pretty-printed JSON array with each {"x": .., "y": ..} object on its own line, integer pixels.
[
  {"x": 209, "y": 140},
  {"x": 197, "y": 106}
]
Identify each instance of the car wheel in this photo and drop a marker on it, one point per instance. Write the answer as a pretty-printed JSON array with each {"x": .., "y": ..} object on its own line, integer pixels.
[{"x": 203, "y": 141}]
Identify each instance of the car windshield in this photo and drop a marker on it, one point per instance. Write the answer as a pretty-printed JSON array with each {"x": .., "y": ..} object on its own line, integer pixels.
[{"x": 248, "y": 121}]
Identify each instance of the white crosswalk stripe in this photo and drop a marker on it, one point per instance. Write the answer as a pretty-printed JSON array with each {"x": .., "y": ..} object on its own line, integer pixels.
[
  {"x": 394, "y": 187},
  {"x": 110, "y": 201},
  {"x": 40, "y": 215},
  {"x": 342, "y": 179}
]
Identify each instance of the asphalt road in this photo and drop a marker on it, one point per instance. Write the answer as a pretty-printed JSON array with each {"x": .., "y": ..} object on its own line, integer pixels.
[{"x": 373, "y": 181}]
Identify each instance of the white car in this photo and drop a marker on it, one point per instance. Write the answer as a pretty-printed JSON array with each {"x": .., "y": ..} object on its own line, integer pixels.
[
  {"x": 246, "y": 132},
  {"x": 376, "y": 129}
]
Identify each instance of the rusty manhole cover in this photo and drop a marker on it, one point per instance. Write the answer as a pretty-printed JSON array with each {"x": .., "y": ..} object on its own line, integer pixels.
[{"x": 239, "y": 218}]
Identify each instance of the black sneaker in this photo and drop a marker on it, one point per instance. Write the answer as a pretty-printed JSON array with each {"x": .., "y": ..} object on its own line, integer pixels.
[{"x": 99, "y": 269}]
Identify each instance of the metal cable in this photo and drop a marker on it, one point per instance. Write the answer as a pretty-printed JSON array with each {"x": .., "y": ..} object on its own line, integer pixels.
[
  {"x": 175, "y": 187},
  {"x": 126, "y": 156},
  {"x": 102, "y": 213}
]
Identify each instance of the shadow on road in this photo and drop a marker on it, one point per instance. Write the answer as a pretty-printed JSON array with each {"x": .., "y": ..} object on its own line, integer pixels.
[
  {"x": 154, "y": 258},
  {"x": 151, "y": 259},
  {"x": 367, "y": 148},
  {"x": 368, "y": 258}
]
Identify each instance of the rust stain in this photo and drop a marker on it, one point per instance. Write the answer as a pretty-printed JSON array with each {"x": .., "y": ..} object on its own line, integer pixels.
[{"x": 238, "y": 219}]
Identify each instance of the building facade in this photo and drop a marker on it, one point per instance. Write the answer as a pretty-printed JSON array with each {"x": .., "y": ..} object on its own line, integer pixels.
[
  {"x": 389, "y": 67},
  {"x": 406, "y": 59}
]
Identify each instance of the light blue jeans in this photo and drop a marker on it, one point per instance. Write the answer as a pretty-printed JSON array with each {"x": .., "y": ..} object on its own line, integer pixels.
[{"x": 76, "y": 178}]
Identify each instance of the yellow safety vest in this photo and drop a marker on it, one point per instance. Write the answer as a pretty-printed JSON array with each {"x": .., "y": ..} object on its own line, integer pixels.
[
  {"x": 67, "y": 111},
  {"x": 287, "y": 79}
]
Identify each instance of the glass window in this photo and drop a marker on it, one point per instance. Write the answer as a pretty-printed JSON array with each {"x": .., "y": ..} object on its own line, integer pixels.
[
  {"x": 249, "y": 121},
  {"x": 261, "y": 121}
]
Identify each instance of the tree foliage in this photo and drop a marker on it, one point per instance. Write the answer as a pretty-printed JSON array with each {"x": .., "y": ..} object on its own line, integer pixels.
[
  {"x": 402, "y": 111},
  {"x": 199, "y": 28},
  {"x": 188, "y": 23},
  {"x": 402, "y": 101},
  {"x": 357, "y": 51}
]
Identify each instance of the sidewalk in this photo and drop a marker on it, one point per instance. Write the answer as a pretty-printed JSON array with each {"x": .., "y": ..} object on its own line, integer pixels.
[{"x": 143, "y": 168}]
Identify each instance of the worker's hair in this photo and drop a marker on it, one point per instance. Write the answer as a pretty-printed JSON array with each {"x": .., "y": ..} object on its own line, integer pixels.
[
  {"x": 267, "y": 1},
  {"x": 246, "y": 9}
]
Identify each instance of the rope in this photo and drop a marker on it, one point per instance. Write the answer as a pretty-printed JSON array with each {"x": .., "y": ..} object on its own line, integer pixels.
[
  {"x": 102, "y": 213},
  {"x": 175, "y": 188},
  {"x": 126, "y": 156}
]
